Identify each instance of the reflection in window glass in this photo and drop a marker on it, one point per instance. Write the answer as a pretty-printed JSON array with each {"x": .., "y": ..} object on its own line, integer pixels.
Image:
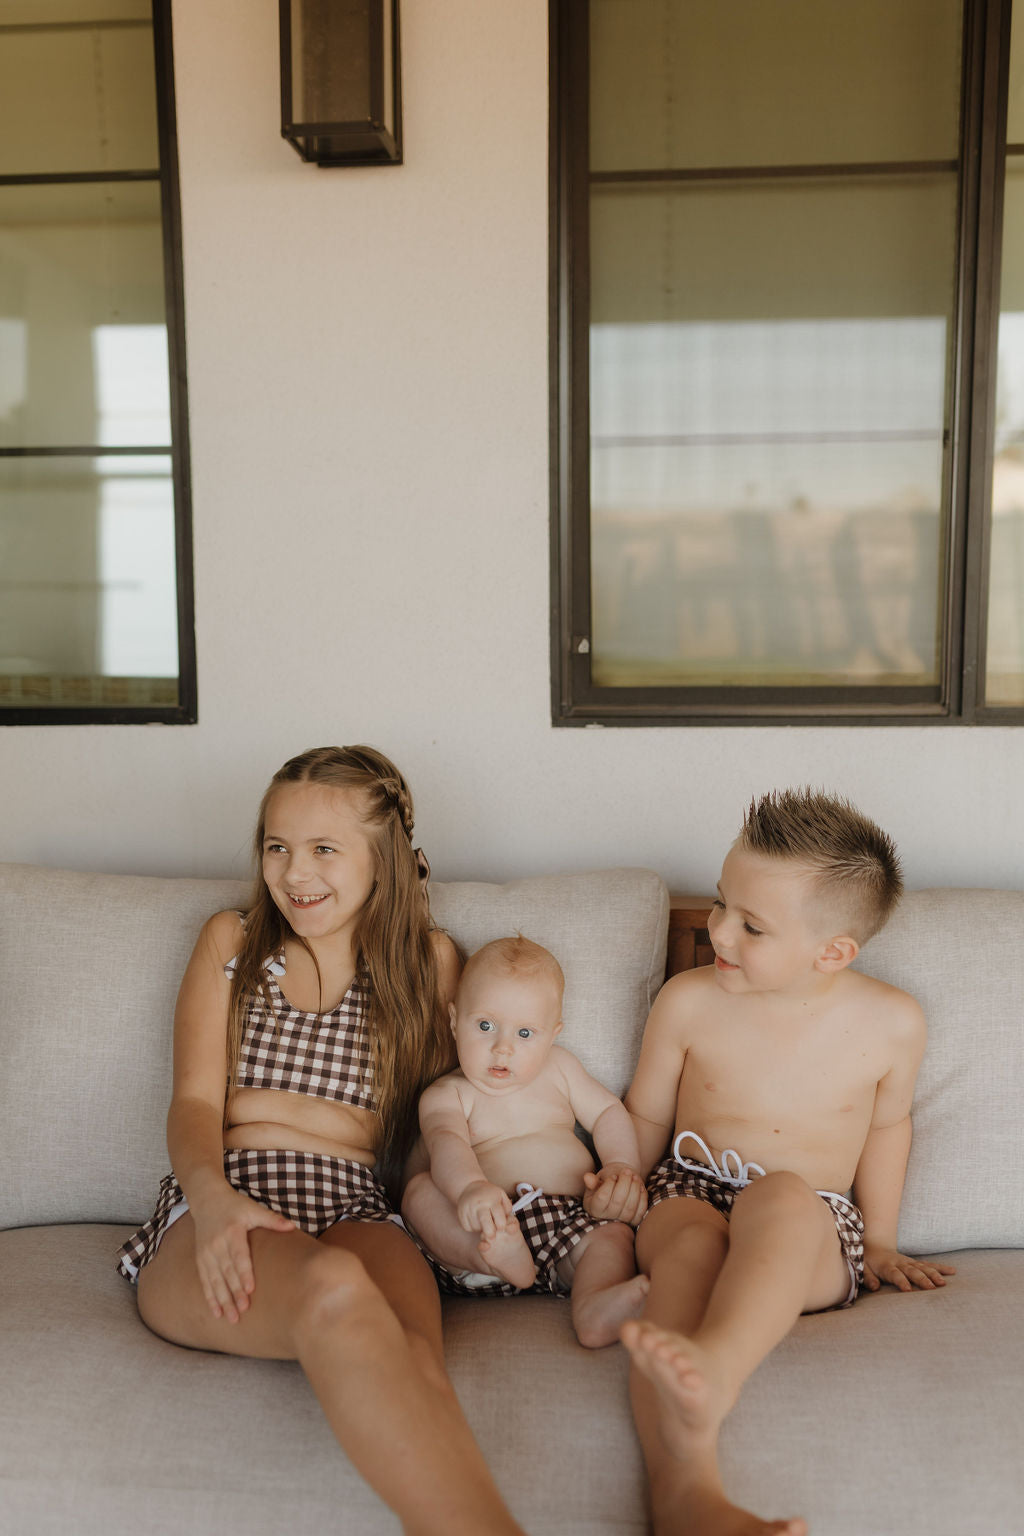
[
  {"x": 1004, "y": 655},
  {"x": 743, "y": 533},
  {"x": 90, "y": 503},
  {"x": 772, "y": 278}
]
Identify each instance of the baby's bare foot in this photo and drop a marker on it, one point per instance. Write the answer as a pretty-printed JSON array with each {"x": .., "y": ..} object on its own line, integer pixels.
[
  {"x": 507, "y": 1255},
  {"x": 598, "y": 1316},
  {"x": 692, "y": 1396}
]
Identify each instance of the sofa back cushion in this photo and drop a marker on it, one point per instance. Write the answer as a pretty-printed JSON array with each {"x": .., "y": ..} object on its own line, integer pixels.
[
  {"x": 961, "y": 954},
  {"x": 89, "y": 971}
]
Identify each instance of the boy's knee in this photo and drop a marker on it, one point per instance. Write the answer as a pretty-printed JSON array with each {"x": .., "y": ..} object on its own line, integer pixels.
[
  {"x": 786, "y": 1193},
  {"x": 703, "y": 1238}
]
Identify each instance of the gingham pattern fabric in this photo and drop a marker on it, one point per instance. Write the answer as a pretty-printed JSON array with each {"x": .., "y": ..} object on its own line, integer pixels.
[
  {"x": 552, "y": 1226},
  {"x": 324, "y": 1055},
  {"x": 314, "y": 1190},
  {"x": 668, "y": 1180}
]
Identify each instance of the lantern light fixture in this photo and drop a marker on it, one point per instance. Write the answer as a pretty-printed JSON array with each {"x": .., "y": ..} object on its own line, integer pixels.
[{"x": 341, "y": 95}]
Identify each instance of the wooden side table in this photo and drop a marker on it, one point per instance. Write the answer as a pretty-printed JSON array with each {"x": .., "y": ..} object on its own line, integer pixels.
[{"x": 688, "y": 942}]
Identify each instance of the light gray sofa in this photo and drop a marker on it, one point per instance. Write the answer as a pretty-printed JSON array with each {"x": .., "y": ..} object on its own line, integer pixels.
[{"x": 901, "y": 1415}]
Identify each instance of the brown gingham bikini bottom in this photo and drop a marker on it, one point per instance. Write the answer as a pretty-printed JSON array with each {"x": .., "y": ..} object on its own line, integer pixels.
[{"x": 310, "y": 1188}]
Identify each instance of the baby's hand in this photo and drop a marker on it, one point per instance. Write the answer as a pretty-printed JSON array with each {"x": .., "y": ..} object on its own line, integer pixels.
[
  {"x": 484, "y": 1208},
  {"x": 905, "y": 1274},
  {"x": 223, "y": 1259},
  {"x": 615, "y": 1193}
]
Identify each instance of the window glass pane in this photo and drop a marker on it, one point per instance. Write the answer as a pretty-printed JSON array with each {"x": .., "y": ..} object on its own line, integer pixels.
[
  {"x": 77, "y": 263},
  {"x": 89, "y": 612},
  {"x": 691, "y": 83},
  {"x": 1004, "y": 658},
  {"x": 84, "y": 93},
  {"x": 768, "y": 408}
]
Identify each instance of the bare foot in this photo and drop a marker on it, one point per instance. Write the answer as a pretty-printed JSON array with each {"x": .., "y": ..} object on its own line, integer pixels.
[
  {"x": 598, "y": 1316},
  {"x": 709, "y": 1513},
  {"x": 507, "y": 1255},
  {"x": 692, "y": 1397}
]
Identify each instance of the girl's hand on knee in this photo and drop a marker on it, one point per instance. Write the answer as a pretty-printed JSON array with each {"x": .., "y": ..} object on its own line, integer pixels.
[
  {"x": 223, "y": 1257},
  {"x": 885, "y": 1264}
]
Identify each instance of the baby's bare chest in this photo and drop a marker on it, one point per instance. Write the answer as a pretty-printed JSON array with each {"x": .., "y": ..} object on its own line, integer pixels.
[{"x": 531, "y": 1110}]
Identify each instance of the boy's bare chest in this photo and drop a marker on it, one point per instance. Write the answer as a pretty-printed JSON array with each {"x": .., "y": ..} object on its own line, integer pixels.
[{"x": 798, "y": 1074}]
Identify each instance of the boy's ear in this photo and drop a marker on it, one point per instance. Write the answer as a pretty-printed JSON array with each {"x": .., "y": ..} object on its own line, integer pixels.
[
  {"x": 837, "y": 953},
  {"x": 557, "y": 1029}
]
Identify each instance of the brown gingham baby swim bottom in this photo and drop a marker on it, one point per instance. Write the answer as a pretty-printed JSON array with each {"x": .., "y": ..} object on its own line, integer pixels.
[
  {"x": 552, "y": 1226},
  {"x": 310, "y": 1188},
  {"x": 673, "y": 1178}
]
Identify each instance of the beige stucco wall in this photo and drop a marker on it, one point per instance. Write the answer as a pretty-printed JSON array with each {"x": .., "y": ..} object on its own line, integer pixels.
[{"x": 369, "y": 398}]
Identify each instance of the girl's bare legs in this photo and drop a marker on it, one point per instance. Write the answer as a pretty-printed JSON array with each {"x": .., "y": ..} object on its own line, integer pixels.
[
  {"x": 359, "y": 1311},
  {"x": 722, "y": 1296}
]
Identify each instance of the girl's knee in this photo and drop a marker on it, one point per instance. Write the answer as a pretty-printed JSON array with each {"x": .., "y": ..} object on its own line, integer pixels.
[{"x": 334, "y": 1289}]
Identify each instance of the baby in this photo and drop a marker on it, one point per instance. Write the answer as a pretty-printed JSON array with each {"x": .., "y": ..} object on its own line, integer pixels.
[
  {"x": 783, "y": 1051},
  {"x": 511, "y": 1190}
]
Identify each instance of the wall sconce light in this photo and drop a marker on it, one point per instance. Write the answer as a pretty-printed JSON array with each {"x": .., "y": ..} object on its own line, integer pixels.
[{"x": 341, "y": 90}]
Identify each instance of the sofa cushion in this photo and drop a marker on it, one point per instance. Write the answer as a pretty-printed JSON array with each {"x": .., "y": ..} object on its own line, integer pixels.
[
  {"x": 89, "y": 970},
  {"x": 608, "y": 931},
  {"x": 106, "y": 1430},
  {"x": 961, "y": 954}
]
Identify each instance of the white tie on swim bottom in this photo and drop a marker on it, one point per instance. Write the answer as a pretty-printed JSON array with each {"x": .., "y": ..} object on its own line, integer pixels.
[{"x": 733, "y": 1171}]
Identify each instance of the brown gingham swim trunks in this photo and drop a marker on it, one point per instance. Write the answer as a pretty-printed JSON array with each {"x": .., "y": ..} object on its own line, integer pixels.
[
  {"x": 310, "y": 1188},
  {"x": 672, "y": 1178},
  {"x": 552, "y": 1226}
]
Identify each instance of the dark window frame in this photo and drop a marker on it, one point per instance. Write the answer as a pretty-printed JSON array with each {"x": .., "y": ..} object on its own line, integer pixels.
[
  {"x": 576, "y": 701},
  {"x": 185, "y": 712}
]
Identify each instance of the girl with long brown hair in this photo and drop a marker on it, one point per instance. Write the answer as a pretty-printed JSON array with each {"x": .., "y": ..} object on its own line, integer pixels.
[{"x": 304, "y": 1032}]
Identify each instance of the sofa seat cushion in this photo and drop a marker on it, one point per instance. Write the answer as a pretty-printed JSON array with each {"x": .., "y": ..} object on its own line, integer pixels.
[{"x": 106, "y": 1429}]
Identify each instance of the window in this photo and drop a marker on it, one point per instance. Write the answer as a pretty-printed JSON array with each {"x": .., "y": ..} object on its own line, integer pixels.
[
  {"x": 96, "y": 610},
  {"x": 788, "y": 482}
]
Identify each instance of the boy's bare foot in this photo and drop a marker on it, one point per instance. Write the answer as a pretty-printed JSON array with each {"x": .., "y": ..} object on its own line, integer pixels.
[
  {"x": 692, "y": 1397},
  {"x": 598, "y": 1316},
  {"x": 707, "y": 1512},
  {"x": 692, "y": 1402},
  {"x": 508, "y": 1256}
]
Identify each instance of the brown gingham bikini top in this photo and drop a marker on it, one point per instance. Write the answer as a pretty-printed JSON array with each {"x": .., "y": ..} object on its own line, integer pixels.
[{"x": 326, "y": 1055}]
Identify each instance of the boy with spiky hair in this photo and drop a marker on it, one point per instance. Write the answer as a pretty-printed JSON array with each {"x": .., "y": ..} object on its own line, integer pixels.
[{"x": 781, "y": 1050}]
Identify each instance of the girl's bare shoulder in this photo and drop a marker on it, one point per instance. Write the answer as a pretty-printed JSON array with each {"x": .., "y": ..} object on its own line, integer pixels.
[{"x": 223, "y": 932}]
